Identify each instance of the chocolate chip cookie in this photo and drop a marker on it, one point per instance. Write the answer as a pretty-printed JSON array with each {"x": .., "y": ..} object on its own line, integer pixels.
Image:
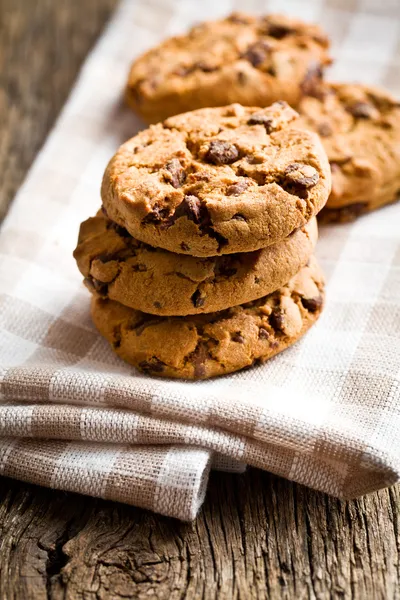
[
  {"x": 243, "y": 58},
  {"x": 201, "y": 346},
  {"x": 117, "y": 266},
  {"x": 360, "y": 130},
  {"x": 218, "y": 180}
]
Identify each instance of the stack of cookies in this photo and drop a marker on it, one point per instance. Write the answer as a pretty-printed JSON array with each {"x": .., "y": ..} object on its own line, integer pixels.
[{"x": 200, "y": 261}]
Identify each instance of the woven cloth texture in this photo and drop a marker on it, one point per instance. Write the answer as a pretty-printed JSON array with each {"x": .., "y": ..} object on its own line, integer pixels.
[{"x": 324, "y": 413}]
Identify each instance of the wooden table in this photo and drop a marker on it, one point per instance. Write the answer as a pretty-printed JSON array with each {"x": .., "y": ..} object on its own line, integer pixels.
[{"x": 257, "y": 536}]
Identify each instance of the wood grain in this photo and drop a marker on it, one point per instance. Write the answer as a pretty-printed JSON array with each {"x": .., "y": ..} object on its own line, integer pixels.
[{"x": 257, "y": 536}]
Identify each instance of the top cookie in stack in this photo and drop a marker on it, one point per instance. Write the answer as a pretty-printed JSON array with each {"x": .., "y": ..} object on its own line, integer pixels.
[
  {"x": 252, "y": 60},
  {"x": 215, "y": 206},
  {"x": 218, "y": 180}
]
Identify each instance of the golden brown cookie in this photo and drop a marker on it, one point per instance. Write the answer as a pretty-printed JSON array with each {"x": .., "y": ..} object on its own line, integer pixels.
[
  {"x": 360, "y": 130},
  {"x": 218, "y": 180},
  {"x": 243, "y": 58},
  {"x": 118, "y": 267},
  {"x": 201, "y": 346}
]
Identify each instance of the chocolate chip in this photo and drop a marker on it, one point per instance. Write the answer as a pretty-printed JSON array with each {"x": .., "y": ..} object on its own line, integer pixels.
[
  {"x": 237, "y": 188},
  {"x": 325, "y": 130},
  {"x": 242, "y": 78},
  {"x": 237, "y": 337},
  {"x": 257, "y": 53},
  {"x": 184, "y": 246},
  {"x": 239, "y": 217},
  {"x": 95, "y": 285},
  {"x": 154, "y": 365},
  {"x": 274, "y": 344},
  {"x": 205, "y": 67},
  {"x": 199, "y": 357},
  {"x": 223, "y": 266},
  {"x": 139, "y": 268},
  {"x": 312, "y": 304},
  {"x": 311, "y": 84},
  {"x": 121, "y": 231},
  {"x": 257, "y": 280},
  {"x": 155, "y": 215},
  {"x": 157, "y": 304},
  {"x": 362, "y": 110},
  {"x": 197, "y": 300},
  {"x": 276, "y": 319},
  {"x": 260, "y": 119},
  {"x": 177, "y": 173},
  {"x": 263, "y": 333},
  {"x": 299, "y": 174},
  {"x": 278, "y": 31},
  {"x": 221, "y": 153},
  {"x": 190, "y": 207}
]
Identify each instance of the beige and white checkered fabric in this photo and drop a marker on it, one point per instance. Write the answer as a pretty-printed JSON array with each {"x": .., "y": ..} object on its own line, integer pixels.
[{"x": 325, "y": 413}]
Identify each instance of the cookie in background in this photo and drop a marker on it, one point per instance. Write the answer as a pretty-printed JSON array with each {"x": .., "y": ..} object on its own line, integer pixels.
[{"x": 251, "y": 60}]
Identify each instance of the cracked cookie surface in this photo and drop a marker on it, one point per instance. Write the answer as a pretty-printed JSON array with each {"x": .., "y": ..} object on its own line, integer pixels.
[
  {"x": 218, "y": 180},
  {"x": 202, "y": 346},
  {"x": 242, "y": 58},
  {"x": 117, "y": 266},
  {"x": 359, "y": 127}
]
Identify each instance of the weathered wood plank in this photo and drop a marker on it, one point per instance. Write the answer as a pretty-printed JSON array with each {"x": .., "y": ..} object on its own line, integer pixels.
[{"x": 258, "y": 536}]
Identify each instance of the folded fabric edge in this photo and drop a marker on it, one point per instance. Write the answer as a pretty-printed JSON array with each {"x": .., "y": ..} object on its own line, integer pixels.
[{"x": 170, "y": 480}]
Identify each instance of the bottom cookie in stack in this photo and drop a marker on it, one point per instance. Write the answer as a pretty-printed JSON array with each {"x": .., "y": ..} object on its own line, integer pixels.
[{"x": 217, "y": 343}]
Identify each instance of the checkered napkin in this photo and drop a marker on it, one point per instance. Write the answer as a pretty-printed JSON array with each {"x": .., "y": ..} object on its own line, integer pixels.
[{"x": 325, "y": 413}]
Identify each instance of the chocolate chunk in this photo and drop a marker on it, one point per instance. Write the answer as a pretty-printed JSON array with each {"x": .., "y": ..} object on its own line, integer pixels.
[
  {"x": 154, "y": 365},
  {"x": 276, "y": 319},
  {"x": 362, "y": 110},
  {"x": 190, "y": 207},
  {"x": 221, "y": 153},
  {"x": 237, "y": 337},
  {"x": 324, "y": 129},
  {"x": 278, "y": 31},
  {"x": 312, "y": 304},
  {"x": 263, "y": 333},
  {"x": 274, "y": 344},
  {"x": 95, "y": 285},
  {"x": 260, "y": 119},
  {"x": 205, "y": 67},
  {"x": 155, "y": 215},
  {"x": 299, "y": 174},
  {"x": 237, "y": 188},
  {"x": 120, "y": 230},
  {"x": 257, "y": 53},
  {"x": 199, "y": 358},
  {"x": 197, "y": 299},
  {"x": 239, "y": 217},
  {"x": 223, "y": 266},
  {"x": 242, "y": 78},
  {"x": 257, "y": 280},
  {"x": 311, "y": 84},
  {"x": 177, "y": 173},
  {"x": 139, "y": 268}
]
